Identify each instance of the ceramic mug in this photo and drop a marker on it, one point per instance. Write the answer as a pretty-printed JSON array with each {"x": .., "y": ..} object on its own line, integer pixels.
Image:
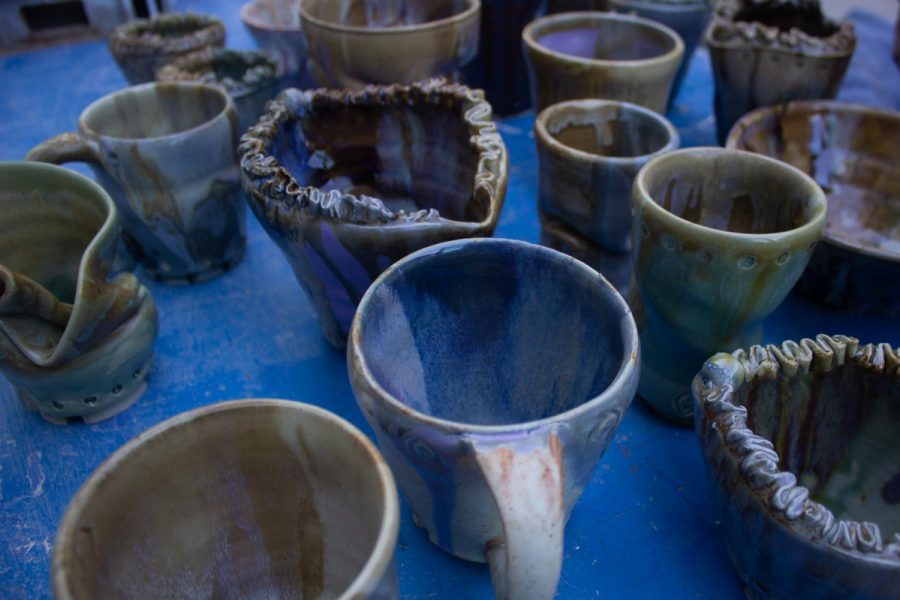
[
  {"x": 589, "y": 153},
  {"x": 249, "y": 499},
  {"x": 720, "y": 237},
  {"x": 165, "y": 152},
  {"x": 494, "y": 373}
]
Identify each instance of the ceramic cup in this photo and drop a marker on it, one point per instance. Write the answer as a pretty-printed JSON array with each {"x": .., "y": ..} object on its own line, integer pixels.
[
  {"x": 610, "y": 56},
  {"x": 165, "y": 152},
  {"x": 720, "y": 237},
  {"x": 141, "y": 47},
  {"x": 494, "y": 373},
  {"x": 76, "y": 340},
  {"x": 557, "y": 6},
  {"x": 356, "y": 42},
  {"x": 242, "y": 499},
  {"x": 275, "y": 26},
  {"x": 589, "y": 153}
]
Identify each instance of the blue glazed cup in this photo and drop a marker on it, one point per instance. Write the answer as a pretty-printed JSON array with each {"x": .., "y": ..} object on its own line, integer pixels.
[{"x": 494, "y": 373}]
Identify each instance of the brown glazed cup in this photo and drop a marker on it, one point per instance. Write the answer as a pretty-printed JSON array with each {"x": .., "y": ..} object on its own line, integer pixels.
[
  {"x": 601, "y": 55},
  {"x": 244, "y": 499}
]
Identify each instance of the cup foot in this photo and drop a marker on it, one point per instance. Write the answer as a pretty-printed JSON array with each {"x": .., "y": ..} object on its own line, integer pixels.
[{"x": 200, "y": 275}]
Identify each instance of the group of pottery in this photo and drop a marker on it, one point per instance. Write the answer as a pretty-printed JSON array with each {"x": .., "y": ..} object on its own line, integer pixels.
[{"x": 377, "y": 195}]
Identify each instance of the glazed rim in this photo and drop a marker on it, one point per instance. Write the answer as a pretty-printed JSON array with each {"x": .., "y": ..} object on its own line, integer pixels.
[
  {"x": 584, "y": 106},
  {"x": 676, "y": 4},
  {"x": 472, "y": 11},
  {"x": 258, "y": 68},
  {"x": 724, "y": 237},
  {"x": 754, "y": 456},
  {"x": 277, "y": 185},
  {"x": 249, "y": 17},
  {"x": 141, "y": 36},
  {"x": 824, "y": 108},
  {"x": 380, "y": 557},
  {"x": 628, "y": 331},
  {"x": 196, "y": 86},
  {"x": 562, "y": 21}
]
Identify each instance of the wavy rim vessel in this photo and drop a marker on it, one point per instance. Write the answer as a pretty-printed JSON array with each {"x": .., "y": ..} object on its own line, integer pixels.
[{"x": 143, "y": 36}]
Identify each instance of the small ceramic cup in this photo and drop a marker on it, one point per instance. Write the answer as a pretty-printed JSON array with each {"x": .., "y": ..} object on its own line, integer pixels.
[
  {"x": 141, "y": 47},
  {"x": 494, "y": 373},
  {"x": 76, "y": 340},
  {"x": 589, "y": 153},
  {"x": 165, "y": 152},
  {"x": 355, "y": 43},
  {"x": 251, "y": 78},
  {"x": 800, "y": 443},
  {"x": 248, "y": 499},
  {"x": 610, "y": 56},
  {"x": 275, "y": 26},
  {"x": 720, "y": 237}
]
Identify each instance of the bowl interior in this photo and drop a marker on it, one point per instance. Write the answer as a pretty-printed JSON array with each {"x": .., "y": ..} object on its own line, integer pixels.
[
  {"x": 604, "y": 39},
  {"x": 265, "y": 502},
  {"x": 376, "y": 14},
  {"x": 837, "y": 433},
  {"x": 492, "y": 334},
  {"x": 410, "y": 157},
  {"x": 852, "y": 154},
  {"x": 609, "y": 130}
]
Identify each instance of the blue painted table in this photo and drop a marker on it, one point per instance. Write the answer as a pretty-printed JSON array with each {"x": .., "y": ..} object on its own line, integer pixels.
[{"x": 645, "y": 526}]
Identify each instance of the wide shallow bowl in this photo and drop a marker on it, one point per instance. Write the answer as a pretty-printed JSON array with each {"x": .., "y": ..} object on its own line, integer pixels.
[
  {"x": 347, "y": 183},
  {"x": 852, "y": 152},
  {"x": 801, "y": 442},
  {"x": 275, "y": 26},
  {"x": 244, "y": 499}
]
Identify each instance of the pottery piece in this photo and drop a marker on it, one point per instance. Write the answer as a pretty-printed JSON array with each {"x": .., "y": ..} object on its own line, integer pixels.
[
  {"x": 76, "y": 340},
  {"x": 490, "y": 444},
  {"x": 165, "y": 152},
  {"x": 720, "y": 238},
  {"x": 142, "y": 46},
  {"x": 241, "y": 499},
  {"x": 357, "y": 42},
  {"x": 611, "y": 56},
  {"x": 764, "y": 53},
  {"x": 589, "y": 153},
  {"x": 852, "y": 152},
  {"x": 688, "y": 18},
  {"x": 499, "y": 67},
  {"x": 275, "y": 26},
  {"x": 558, "y": 6},
  {"x": 800, "y": 442},
  {"x": 347, "y": 183}
]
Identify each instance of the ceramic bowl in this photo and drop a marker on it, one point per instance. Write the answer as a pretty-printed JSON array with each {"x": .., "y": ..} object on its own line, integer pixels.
[
  {"x": 141, "y": 47},
  {"x": 251, "y": 78},
  {"x": 347, "y": 183},
  {"x": 275, "y": 26},
  {"x": 357, "y": 42},
  {"x": 800, "y": 442},
  {"x": 558, "y": 6},
  {"x": 852, "y": 152},
  {"x": 763, "y": 56},
  {"x": 245, "y": 499},
  {"x": 609, "y": 56}
]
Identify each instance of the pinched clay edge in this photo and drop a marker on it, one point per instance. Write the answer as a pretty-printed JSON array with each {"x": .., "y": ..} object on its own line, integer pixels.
[
  {"x": 280, "y": 189},
  {"x": 756, "y": 456},
  {"x": 725, "y": 32},
  {"x": 142, "y": 35},
  {"x": 259, "y": 69}
]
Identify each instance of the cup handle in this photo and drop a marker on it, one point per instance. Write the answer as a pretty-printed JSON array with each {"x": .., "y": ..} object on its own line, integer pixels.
[
  {"x": 528, "y": 490},
  {"x": 63, "y": 148}
]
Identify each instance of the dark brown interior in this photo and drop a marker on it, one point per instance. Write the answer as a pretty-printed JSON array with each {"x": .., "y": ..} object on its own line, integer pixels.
[
  {"x": 609, "y": 131},
  {"x": 805, "y": 15},
  {"x": 378, "y": 14}
]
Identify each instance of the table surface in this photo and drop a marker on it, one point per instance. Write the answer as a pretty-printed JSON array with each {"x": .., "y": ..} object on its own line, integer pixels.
[{"x": 645, "y": 526}]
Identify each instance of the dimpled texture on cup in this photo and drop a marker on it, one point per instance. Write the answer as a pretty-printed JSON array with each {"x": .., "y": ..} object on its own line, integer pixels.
[{"x": 801, "y": 442}]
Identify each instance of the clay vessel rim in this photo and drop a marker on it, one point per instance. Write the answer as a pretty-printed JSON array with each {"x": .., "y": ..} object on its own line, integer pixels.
[
  {"x": 249, "y": 18},
  {"x": 128, "y": 41},
  {"x": 468, "y": 14},
  {"x": 672, "y": 6},
  {"x": 198, "y": 66}
]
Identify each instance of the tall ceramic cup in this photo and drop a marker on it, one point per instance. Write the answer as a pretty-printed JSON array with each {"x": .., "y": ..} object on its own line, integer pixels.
[
  {"x": 243, "y": 499},
  {"x": 720, "y": 237},
  {"x": 165, "y": 152},
  {"x": 494, "y": 373}
]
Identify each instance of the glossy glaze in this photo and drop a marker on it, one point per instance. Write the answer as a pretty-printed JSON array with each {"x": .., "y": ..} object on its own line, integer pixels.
[
  {"x": 165, "y": 152},
  {"x": 250, "y": 499},
  {"x": 852, "y": 152},
  {"x": 800, "y": 442},
  {"x": 492, "y": 442},
  {"x": 76, "y": 338},
  {"x": 275, "y": 26},
  {"x": 720, "y": 237}
]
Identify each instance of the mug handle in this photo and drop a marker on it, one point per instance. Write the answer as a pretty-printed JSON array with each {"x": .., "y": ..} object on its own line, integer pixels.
[
  {"x": 528, "y": 490},
  {"x": 63, "y": 148}
]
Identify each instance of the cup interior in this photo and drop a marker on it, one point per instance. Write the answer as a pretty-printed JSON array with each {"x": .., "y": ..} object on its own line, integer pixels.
[
  {"x": 258, "y": 501},
  {"x": 377, "y": 14},
  {"x": 601, "y": 38},
  {"x": 493, "y": 333},
  {"x": 154, "y": 110}
]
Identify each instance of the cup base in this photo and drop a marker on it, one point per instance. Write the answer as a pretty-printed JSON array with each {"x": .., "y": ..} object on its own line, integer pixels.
[{"x": 199, "y": 276}]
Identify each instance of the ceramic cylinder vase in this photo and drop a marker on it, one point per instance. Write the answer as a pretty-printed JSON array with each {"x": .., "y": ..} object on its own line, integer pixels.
[
  {"x": 165, "y": 152},
  {"x": 76, "y": 339},
  {"x": 491, "y": 444},
  {"x": 720, "y": 237},
  {"x": 241, "y": 499}
]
